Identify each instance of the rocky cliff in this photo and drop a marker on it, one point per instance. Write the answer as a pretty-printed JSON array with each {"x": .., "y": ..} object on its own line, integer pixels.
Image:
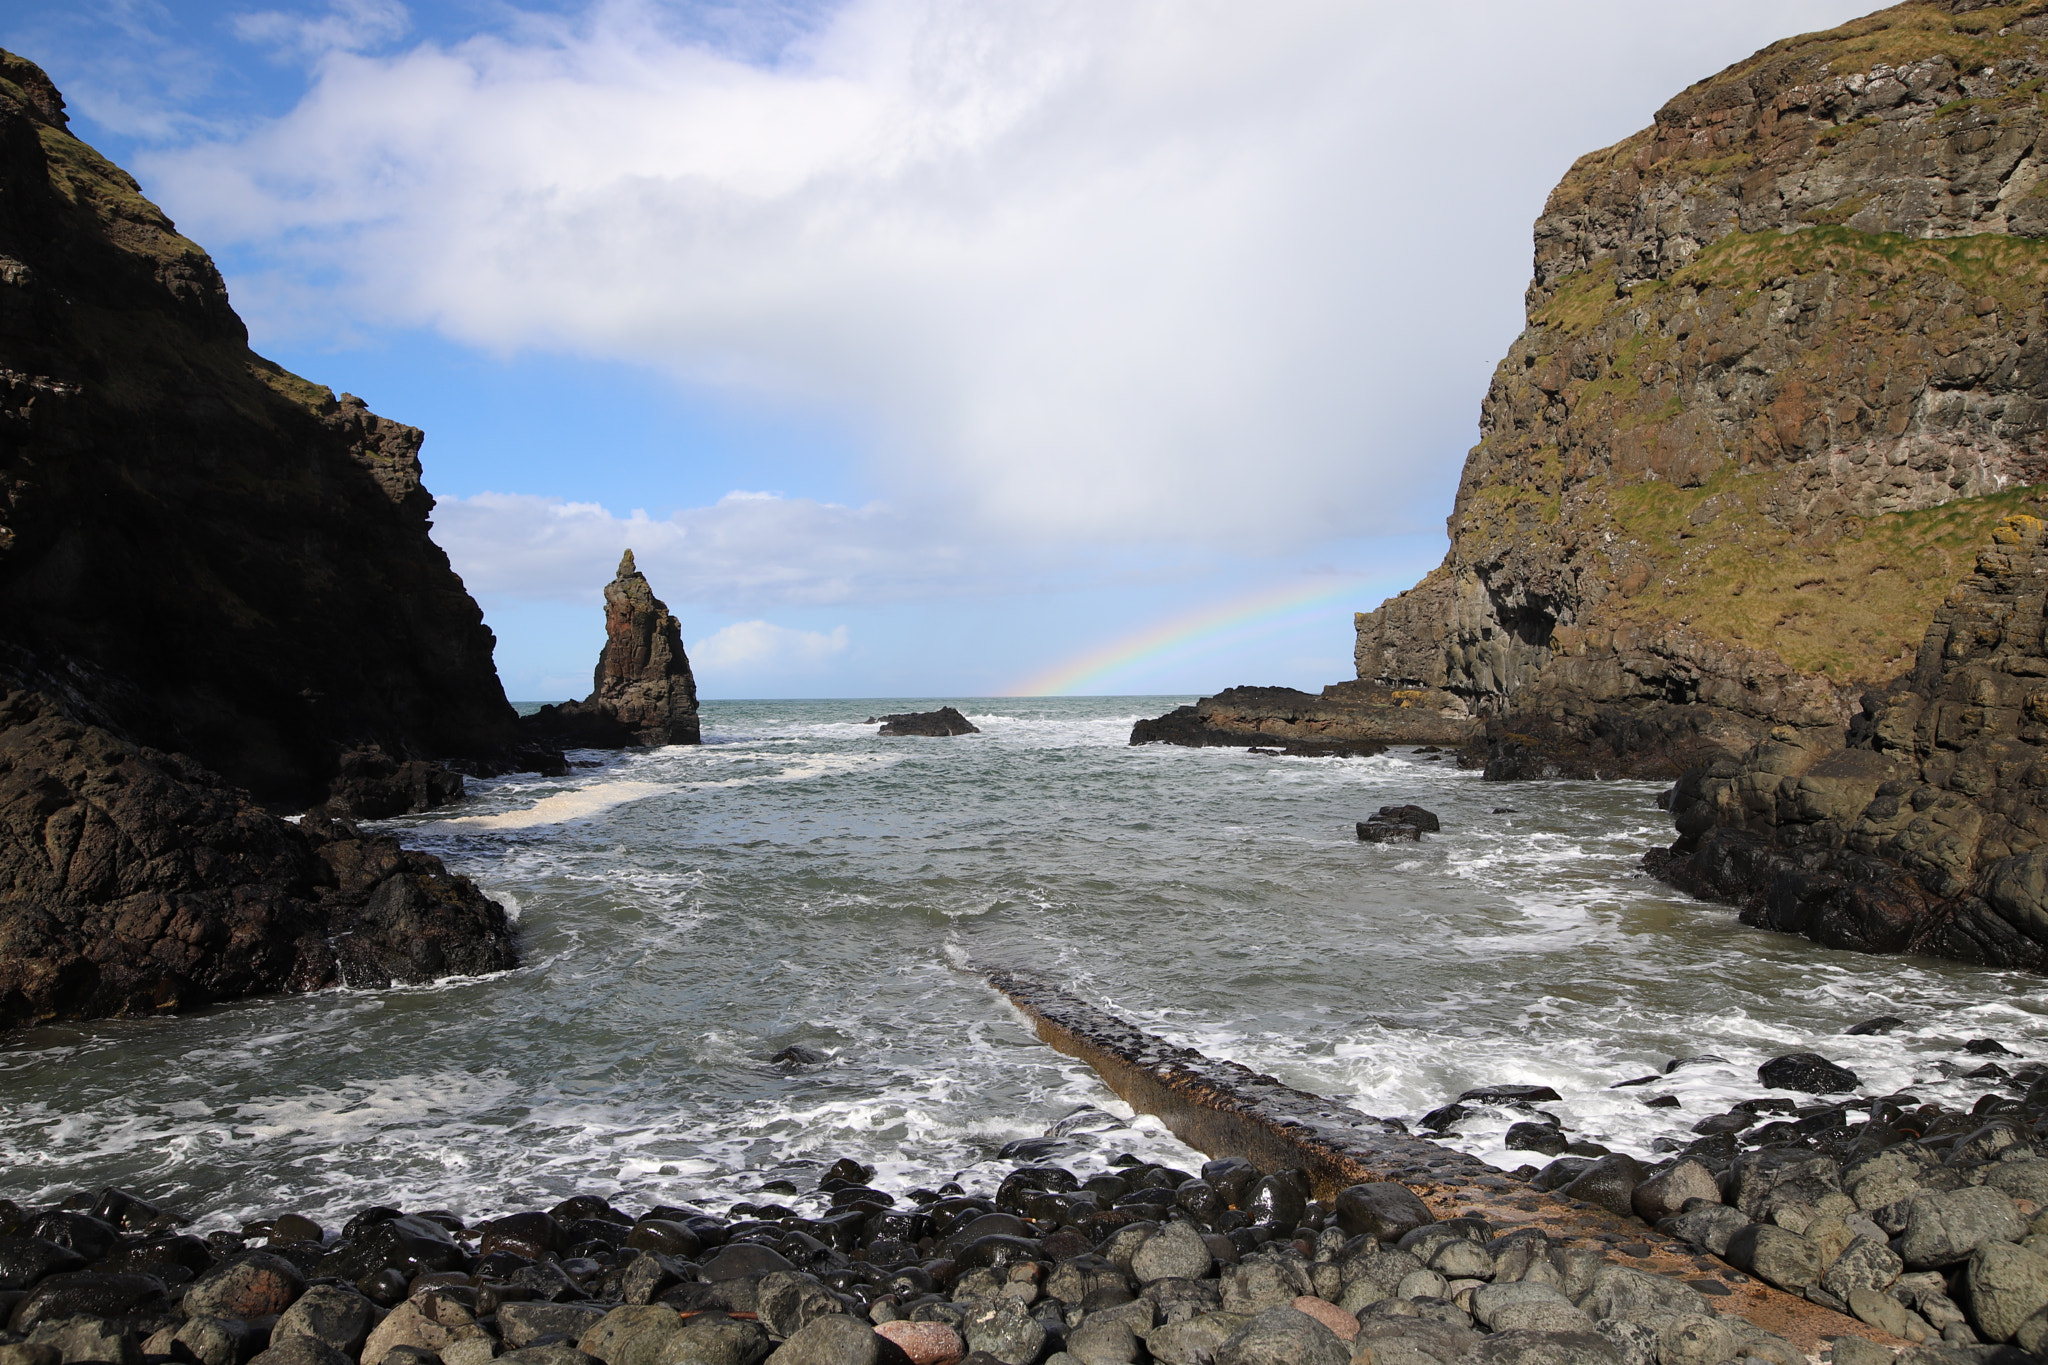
[
  {"x": 1786, "y": 365},
  {"x": 643, "y": 693},
  {"x": 199, "y": 550},
  {"x": 1923, "y": 824},
  {"x": 214, "y": 576}
]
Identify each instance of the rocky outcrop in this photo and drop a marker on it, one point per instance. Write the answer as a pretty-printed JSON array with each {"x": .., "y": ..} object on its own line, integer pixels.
[
  {"x": 1785, "y": 366},
  {"x": 643, "y": 694},
  {"x": 199, "y": 550},
  {"x": 1922, "y": 825},
  {"x": 133, "y": 881},
  {"x": 1349, "y": 717},
  {"x": 214, "y": 576},
  {"x": 940, "y": 724}
]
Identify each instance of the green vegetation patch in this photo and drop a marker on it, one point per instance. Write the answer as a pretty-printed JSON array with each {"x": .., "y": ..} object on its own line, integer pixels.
[{"x": 1853, "y": 602}]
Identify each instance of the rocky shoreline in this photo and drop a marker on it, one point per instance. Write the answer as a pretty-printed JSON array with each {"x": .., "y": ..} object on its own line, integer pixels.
[{"x": 1929, "y": 1226}]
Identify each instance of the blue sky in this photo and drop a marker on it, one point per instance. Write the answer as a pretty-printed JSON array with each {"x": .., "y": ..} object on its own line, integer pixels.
[{"x": 915, "y": 346}]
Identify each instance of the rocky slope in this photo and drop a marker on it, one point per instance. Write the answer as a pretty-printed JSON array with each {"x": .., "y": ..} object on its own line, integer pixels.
[
  {"x": 1785, "y": 367},
  {"x": 643, "y": 693},
  {"x": 197, "y": 549},
  {"x": 1923, "y": 824},
  {"x": 214, "y": 576}
]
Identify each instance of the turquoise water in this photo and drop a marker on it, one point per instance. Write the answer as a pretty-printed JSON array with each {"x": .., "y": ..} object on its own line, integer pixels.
[{"x": 689, "y": 912}]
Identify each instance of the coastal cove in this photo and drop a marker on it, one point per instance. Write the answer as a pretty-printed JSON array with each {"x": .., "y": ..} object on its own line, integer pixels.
[{"x": 687, "y": 913}]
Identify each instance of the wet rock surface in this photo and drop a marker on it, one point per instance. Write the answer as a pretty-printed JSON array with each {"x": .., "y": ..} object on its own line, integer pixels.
[
  {"x": 135, "y": 882},
  {"x": 1346, "y": 719},
  {"x": 939, "y": 724},
  {"x": 643, "y": 693}
]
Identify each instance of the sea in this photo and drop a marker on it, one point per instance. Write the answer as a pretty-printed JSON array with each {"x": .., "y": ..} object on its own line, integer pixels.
[{"x": 688, "y": 913}]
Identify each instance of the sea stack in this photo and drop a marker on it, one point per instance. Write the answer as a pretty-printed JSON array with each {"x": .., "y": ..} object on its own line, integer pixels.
[{"x": 643, "y": 695}]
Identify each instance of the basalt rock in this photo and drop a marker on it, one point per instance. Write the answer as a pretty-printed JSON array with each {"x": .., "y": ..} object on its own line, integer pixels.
[
  {"x": 939, "y": 724},
  {"x": 643, "y": 694},
  {"x": 199, "y": 551},
  {"x": 1784, "y": 363},
  {"x": 1923, "y": 825},
  {"x": 1347, "y": 718},
  {"x": 133, "y": 881}
]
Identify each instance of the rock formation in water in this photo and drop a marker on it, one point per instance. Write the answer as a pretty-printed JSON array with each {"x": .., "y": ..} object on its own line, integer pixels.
[
  {"x": 1785, "y": 367},
  {"x": 940, "y": 724},
  {"x": 1348, "y": 717},
  {"x": 132, "y": 881},
  {"x": 214, "y": 576},
  {"x": 643, "y": 693}
]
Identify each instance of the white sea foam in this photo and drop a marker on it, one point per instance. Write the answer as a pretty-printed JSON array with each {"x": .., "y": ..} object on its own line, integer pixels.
[
  {"x": 581, "y": 803},
  {"x": 806, "y": 881}
]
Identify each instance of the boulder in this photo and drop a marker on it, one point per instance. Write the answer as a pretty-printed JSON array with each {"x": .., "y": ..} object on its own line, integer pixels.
[
  {"x": 1176, "y": 1251},
  {"x": 1383, "y": 1210},
  {"x": 1610, "y": 1182},
  {"x": 1808, "y": 1072},
  {"x": 1666, "y": 1194},
  {"x": 1772, "y": 1254},
  {"x": 1544, "y": 1348},
  {"x": 305, "y": 1350},
  {"x": 253, "y": 1285},
  {"x": 521, "y": 1323},
  {"x": 85, "y": 1293},
  {"x": 337, "y": 1317},
  {"x": 82, "y": 1339},
  {"x": 2006, "y": 1286},
  {"x": 1283, "y": 1335},
  {"x": 840, "y": 1340},
  {"x": 636, "y": 1333},
  {"x": 1000, "y": 1326},
  {"x": 713, "y": 1338},
  {"x": 1944, "y": 1226}
]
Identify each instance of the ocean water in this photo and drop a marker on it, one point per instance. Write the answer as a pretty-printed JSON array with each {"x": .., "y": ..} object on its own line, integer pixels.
[{"x": 689, "y": 912}]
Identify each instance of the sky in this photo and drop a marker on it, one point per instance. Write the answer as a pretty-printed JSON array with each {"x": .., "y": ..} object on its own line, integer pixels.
[{"x": 917, "y": 348}]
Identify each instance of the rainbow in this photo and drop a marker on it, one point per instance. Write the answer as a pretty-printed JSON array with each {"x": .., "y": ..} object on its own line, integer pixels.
[{"x": 1234, "y": 621}]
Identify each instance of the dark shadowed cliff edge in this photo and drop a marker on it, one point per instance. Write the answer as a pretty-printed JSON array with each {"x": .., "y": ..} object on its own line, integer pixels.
[
  {"x": 1754, "y": 496},
  {"x": 215, "y": 580}
]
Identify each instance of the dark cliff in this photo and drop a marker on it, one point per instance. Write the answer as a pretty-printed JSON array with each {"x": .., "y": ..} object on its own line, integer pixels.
[
  {"x": 198, "y": 549},
  {"x": 214, "y": 576},
  {"x": 1785, "y": 367}
]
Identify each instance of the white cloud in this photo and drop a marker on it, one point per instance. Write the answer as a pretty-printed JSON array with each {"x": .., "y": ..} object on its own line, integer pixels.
[
  {"x": 745, "y": 551},
  {"x": 757, "y": 646},
  {"x": 346, "y": 26},
  {"x": 1117, "y": 269}
]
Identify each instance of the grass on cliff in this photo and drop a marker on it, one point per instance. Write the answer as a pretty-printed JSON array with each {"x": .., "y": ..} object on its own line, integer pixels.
[
  {"x": 1831, "y": 592},
  {"x": 1852, "y": 602}
]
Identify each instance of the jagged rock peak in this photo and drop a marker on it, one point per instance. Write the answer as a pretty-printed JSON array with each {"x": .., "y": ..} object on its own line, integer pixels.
[{"x": 643, "y": 678}]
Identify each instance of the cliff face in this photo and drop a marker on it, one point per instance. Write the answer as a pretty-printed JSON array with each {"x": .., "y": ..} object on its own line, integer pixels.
[
  {"x": 1924, "y": 824},
  {"x": 1786, "y": 365},
  {"x": 642, "y": 692},
  {"x": 197, "y": 549},
  {"x": 213, "y": 576}
]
